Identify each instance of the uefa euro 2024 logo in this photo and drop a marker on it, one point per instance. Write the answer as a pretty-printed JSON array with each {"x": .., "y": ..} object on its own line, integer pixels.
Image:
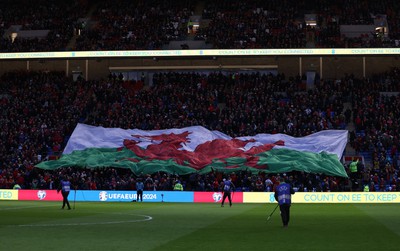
[
  {"x": 41, "y": 194},
  {"x": 103, "y": 196},
  {"x": 217, "y": 197}
]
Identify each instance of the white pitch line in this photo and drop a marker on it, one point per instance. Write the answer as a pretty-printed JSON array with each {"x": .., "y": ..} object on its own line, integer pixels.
[
  {"x": 146, "y": 218},
  {"x": 17, "y": 208}
]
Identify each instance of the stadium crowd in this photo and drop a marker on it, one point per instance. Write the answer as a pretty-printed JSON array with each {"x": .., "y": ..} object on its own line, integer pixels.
[
  {"x": 254, "y": 24},
  {"x": 58, "y": 17},
  {"x": 376, "y": 119},
  {"x": 41, "y": 109},
  {"x": 282, "y": 24},
  {"x": 136, "y": 25},
  {"x": 144, "y": 25}
]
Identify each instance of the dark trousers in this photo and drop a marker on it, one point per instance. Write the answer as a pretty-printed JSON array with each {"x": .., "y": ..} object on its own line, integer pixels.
[
  {"x": 139, "y": 195},
  {"x": 285, "y": 213},
  {"x": 227, "y": 194},
  {"x": 65, "y": 199}
]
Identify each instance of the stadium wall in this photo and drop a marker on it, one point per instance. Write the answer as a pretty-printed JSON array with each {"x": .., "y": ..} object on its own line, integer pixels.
[
  {"x": 200, "y": 197},
  {"x": 327, "y": 67}
]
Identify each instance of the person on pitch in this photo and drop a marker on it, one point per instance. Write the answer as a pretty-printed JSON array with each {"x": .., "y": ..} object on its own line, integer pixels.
[
  {"x": 139, "y": 190},
  {"x": 283, "y": 195},
  {"x": 228, "y": 186},
  {"x": 65, "y": 188}
]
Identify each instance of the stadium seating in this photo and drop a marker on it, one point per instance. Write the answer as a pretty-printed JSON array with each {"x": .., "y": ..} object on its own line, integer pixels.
[
  {"x": 42, "y": 25},
  {"x": 40, "y": 109},
  {"x": 141, "y": 25}
]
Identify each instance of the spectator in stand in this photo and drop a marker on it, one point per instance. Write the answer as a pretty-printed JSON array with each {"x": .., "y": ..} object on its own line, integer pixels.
[{"x": 268, "y": 185}]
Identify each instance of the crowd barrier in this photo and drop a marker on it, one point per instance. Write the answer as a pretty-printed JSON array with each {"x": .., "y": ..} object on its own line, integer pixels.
[{"x": 200, "y": 197}]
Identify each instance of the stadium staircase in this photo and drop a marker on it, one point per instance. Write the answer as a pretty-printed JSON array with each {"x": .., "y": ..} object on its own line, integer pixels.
[
  {"x": 350, "y": 127},
  {"x": 190, "y": 40},
  {"x": 88, "y": 24},
  {"x": 350, "y": 152},
  {"x": 310, "y": 39}
]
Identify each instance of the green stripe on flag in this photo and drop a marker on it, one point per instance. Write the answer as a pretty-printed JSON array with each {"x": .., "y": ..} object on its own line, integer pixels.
[
  {"x": 273, "y": 161},
  {"x": 285, "y": 160}
]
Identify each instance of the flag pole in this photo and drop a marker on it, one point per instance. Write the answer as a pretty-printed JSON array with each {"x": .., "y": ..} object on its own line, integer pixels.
[{"x": 269, "y": 217}]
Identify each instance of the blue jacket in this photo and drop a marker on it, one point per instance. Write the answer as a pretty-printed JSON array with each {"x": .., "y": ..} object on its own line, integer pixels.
[
  {"x": 228, "y": 186},
  {"x": 283, "y": 193},
  {"x": 65, "y": 186},
  {"x": 139, "y": 186}
]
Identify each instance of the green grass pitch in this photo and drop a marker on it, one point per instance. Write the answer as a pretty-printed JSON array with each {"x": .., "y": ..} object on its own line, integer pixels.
[{"x": 26, "y": 225}]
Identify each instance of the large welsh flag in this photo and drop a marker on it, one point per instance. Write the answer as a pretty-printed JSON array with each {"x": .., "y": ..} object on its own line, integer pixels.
[{"x": 196, "y": 149}]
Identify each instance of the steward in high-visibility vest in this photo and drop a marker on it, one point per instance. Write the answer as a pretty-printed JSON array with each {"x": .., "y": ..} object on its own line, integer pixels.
[
  {"x": 16, "y": 186},
  {"x": 366, "y": 188},
  {"x": 178, "y": 186},
  {"x": 353, "y": 166},
  {"x": 354, "y": 173}
]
